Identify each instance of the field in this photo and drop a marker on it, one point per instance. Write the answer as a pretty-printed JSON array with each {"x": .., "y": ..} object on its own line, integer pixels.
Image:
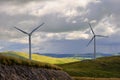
[
  {"x": 40, "y": 58},
  {"x": 8, "y": 60},
  {"x": 106, "y": 67}
]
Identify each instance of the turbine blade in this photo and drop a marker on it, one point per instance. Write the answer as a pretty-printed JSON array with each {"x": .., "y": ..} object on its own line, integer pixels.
[
  {"x": 101, "y": 36},
  {"x": 90, "y": 40},
  {"x": 91, "y": 28},
  {"x": 21, "y": 30},
  {"x": 36, "y": 28}
]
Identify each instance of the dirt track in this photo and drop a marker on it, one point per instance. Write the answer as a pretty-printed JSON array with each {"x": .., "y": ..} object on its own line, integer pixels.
[{"x": 87, "y": 78}]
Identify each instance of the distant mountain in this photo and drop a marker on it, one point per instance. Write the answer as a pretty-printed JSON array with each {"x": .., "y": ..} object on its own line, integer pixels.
[
  {"x": 57, "y": 55},
  {"x": 82, "y": 55}
]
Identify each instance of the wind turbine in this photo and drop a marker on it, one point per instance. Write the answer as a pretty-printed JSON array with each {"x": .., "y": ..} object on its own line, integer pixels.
[
  {"x": 29, "y": 35},
  {"x": 94, "y": 38}
]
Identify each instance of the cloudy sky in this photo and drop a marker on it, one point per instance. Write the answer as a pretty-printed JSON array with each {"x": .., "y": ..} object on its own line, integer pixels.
[{"x": 66, "y": 28}]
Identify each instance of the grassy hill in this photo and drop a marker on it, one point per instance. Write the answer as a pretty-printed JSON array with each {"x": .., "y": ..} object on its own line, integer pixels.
[
  {"x": 8, "y": 60},
  {"x": 12, "y": 68},
  {"x": 40, "y": 58},
  {"x": 101, "y": 67}
]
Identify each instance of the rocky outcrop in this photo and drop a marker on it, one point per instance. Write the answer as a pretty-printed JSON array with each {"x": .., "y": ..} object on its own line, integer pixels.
[{"x": 16, "y": 72}]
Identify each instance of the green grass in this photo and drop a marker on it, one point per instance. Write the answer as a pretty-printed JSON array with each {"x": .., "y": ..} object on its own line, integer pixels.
[
  {"x": 101, "y": 67},
  {"x": 40, "y": 58},
  {"x": 8, "y": 60}
]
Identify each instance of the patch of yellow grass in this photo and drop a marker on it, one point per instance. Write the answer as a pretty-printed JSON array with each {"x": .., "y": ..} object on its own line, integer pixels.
[{"x": 42, "y": 58}]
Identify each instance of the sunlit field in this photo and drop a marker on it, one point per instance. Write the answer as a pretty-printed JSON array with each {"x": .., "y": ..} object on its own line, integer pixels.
[{"x": 40, "y": 58}]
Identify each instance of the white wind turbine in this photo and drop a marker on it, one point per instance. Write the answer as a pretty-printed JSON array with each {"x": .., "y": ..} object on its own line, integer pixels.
[
  {"x": 29, "y": 35},
  {"x": 94, "y": 38}
]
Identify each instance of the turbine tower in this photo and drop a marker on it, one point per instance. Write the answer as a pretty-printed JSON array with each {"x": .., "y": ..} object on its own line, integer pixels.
[
  {"x": 29, "y": 35},
  {"x": 94, "y": 38}
]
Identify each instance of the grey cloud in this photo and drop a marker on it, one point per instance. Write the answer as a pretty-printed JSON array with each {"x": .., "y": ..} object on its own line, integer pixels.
[
  {"x": 105, "y": 8},
  {"x": 20, "y": 1},
  {"x": 53, "y": 23},
  {"x": 57, "y": 22}
]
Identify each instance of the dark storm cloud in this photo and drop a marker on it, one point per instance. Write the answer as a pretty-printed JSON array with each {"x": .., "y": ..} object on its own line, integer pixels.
[
  {"x": 59, "y": 24},
  {"x": 53, "y": 20}
]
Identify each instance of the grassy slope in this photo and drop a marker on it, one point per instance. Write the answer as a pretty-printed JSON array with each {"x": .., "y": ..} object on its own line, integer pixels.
[
  {"x": 101, "y": 67},
  {"x": 41, "y": 58},
  {"x": 8, "y": 60}
]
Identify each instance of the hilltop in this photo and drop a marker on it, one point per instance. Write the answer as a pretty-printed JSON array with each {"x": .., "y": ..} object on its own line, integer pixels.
[
  {"x": 100, "y": 67},
  {"x": 9, "y": 60},
  {"x": 12, "y": 68},
  {"x": 41, "y": 58}
]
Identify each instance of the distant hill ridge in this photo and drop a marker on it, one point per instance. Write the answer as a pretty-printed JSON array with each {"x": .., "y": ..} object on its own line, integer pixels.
[{"x": 80, "y": 55}]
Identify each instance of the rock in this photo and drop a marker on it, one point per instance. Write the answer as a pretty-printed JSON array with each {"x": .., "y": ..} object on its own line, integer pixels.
[{"x": 17, "y": 72}]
